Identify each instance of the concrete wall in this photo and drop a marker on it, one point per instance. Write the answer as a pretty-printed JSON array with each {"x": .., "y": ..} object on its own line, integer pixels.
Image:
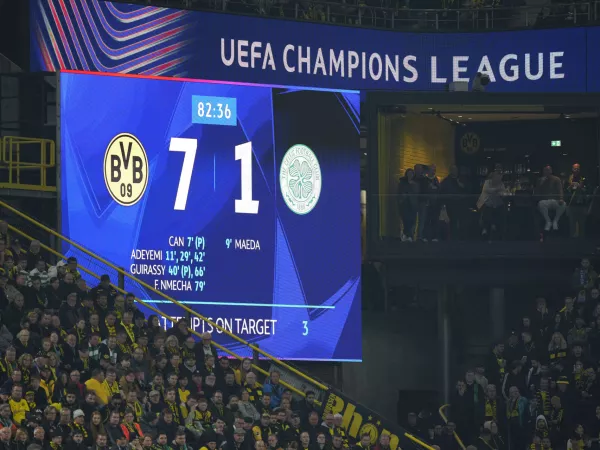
[
  {"x": 406, "y": 140},
  {"x": 399, "y": 353}
]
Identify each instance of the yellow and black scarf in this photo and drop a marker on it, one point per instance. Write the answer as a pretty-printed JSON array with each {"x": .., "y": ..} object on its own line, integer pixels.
[
  {"x": 8, "y": 367},
  {"x": 176, "y": 413},
  {"x": 491, "y": 412},
  {"x": 81, "y": 428},
  {"x": 112, "y": 330},
  {"x": 137, "y": 409},
  {"x": 113, "y": 388},
  {"x": 129, "y": 329}
]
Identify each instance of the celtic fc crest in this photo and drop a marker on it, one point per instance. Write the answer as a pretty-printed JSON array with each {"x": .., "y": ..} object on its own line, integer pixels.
[{"x": 300, "y": 179}]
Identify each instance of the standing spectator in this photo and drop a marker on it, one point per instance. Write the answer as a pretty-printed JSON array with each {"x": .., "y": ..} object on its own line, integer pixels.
[
  {"x": 584, "y": 276},
  {"x": 514, "y": 378},
  {"x": 576, "y": 201},
  {"x": 432, "y": 228},
  {"x": 408, "y": 204},
  {"x": 424, "y": 192},
  {"x": 540, "y": 321},
  {"x": 452, "y": 192},
  {"x": 34, "y": 255},
  {"x": 491, "y": 205},
  {"x": 517, "y": 418},
  {"x": 557, "y": 349},
  {"x": 496, "y": 364}
]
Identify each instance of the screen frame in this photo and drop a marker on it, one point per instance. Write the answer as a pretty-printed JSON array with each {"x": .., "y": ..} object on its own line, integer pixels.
[{"x": 120, "y": 281}]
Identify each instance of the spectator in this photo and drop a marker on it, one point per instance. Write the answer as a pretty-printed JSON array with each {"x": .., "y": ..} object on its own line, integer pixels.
[
  {"x": 273, "y": 388},
  {"x": 557, "y": 349},
  {"x": 408, "y": 204},
  {"x": 453, "y": 196},
  {"x": 584, "y": 276},
  {"x": 550, "y": 192},
  {"x": 516, "y": 413},
  {"x": 491, "y": 205}
]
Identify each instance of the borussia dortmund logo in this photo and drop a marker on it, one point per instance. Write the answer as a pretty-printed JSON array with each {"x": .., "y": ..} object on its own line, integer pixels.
[{"x": 300, "y": 179}]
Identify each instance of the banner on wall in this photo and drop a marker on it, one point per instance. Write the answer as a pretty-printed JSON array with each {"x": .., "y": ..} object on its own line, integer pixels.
[
  {"x": 358, "y": 420},
  {"x": 115, "y": 37}
]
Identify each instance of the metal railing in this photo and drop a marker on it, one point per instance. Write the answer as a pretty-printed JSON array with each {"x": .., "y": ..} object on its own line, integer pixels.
[
  {"x": 125, "y": 274},
  {"x": 445, "y": 419},
  {"x": 27, "y": 162},
  {"x": 449, "y": 16},
  {"x": 275, "y": 361},
  {"x": 516, "y": 215}
]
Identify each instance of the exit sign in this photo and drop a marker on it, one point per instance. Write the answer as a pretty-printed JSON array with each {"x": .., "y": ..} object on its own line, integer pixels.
[{"x": 555, "y": 143}]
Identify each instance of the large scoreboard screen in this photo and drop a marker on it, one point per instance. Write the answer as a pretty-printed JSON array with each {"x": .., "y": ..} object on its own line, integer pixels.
[{"x": 241, "y": 201}]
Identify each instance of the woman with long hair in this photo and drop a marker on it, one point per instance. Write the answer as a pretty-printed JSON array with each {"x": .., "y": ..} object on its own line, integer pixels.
[
  {"x": 154, "y": 327},
  {"x": 96, "y": 425},
  {"x": 557, "y": 349},
  {"x": 25, "y": 363},
  {"x": 172, "y": 346},
  {"x": 245, "y": 367},
  {"x": 50, "y": 419},
  {"x": 21, "y": 440}
]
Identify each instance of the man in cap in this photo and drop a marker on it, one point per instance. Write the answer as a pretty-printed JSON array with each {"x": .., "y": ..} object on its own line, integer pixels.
[
  {"x": 56, "y": 439},
  {"x": 78, "y": 423},
  {"x": 261, "y": 432},
  {"x": 210, "y": 439},
  {"x": 238, "y": 442}
]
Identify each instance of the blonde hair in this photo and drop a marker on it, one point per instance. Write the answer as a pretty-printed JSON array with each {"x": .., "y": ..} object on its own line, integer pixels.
[
  {"x": 170, "y": 340},
  {"x": 562, "y": 345}
]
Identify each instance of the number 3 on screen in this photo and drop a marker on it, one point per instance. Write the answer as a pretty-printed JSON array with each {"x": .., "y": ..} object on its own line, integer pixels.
[
  {"x": 305, "y": 325},
  {"x": 243, "y": 152}
]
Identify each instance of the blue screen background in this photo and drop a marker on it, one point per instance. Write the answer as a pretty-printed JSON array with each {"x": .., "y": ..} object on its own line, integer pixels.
[
  {"x": 308, "y": 269},
  {"x": 104, "y": 36}
]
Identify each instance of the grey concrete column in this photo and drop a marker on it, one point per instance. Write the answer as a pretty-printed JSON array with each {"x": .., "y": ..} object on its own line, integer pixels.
[
  {"x": 497, "y": 313},
  {"x": 444, "y": 339}
]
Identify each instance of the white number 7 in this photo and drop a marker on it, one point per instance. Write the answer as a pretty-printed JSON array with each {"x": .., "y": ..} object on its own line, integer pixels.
[
  {"x": 188, "y": 146},
  {"x": 243, "y": 152}
]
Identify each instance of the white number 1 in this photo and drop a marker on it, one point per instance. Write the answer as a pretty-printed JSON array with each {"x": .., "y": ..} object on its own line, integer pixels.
[
  {"x": 243, "y": 152},
  {"x": 245, "y": 205}
]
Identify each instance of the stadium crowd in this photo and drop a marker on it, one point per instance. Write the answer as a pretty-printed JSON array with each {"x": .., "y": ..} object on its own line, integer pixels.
[
  {"x": 81, "y": 368},
  {"x": 537, "y": 390}
]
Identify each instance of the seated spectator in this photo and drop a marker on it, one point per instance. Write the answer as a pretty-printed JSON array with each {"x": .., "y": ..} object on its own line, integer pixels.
[
  {"x": 491, "y": 205},
  {"x": 550, "y": 191}
]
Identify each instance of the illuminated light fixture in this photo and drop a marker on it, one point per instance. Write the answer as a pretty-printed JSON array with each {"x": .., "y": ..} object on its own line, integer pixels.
[{"x": 555, "y": 143}]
